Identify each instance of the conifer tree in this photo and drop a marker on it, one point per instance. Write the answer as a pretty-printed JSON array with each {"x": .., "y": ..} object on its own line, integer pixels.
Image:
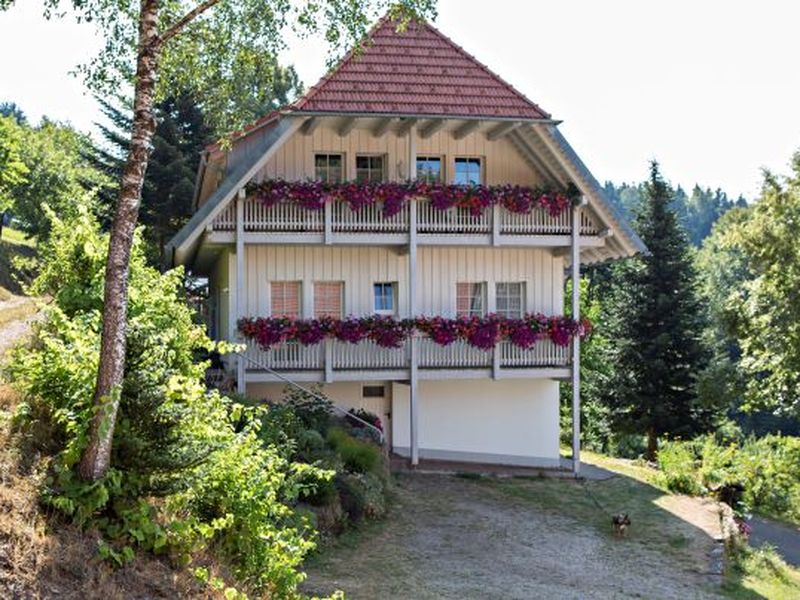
[{"x": 655, "y": 326}]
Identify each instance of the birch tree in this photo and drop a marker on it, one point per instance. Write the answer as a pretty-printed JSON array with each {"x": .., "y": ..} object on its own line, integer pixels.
[{"x": 157, "y": 46}]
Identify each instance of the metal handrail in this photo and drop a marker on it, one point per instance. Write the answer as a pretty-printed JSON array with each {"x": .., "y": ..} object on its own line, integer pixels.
[{"x": 381, "y": 436}]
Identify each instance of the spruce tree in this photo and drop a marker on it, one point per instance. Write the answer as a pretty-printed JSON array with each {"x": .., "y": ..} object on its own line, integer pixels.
[
  {"x": 180, "y": 135},
  {"x": 655, "y": 325}
]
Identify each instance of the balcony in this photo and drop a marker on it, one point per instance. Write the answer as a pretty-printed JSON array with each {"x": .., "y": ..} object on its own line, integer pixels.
[
  {"x": 337, "y": 223},
  {"x": 334, "y": 360}
]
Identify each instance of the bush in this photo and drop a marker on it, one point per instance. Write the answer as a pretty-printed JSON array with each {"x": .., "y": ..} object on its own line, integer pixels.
[
  {"x": 358, "y": 456},
  {"x": 362, "y": 495},
  {"x": 765, "y": 472},
  {"x": 678, "y": 468},
  {"x": 220, "y": 487}
]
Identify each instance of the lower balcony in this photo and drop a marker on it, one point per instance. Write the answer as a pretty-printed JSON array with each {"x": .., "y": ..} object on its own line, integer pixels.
[{"x": 334, "y": 360}]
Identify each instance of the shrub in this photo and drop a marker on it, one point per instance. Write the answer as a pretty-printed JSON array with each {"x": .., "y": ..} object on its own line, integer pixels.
[
  {"x": 678, "y": 467},
  {"x": 358, "y": 456},
  {"x": 763, "y": 472},
  {"x": 362, "y": 495},
  {"x": 220, "y": 486}
]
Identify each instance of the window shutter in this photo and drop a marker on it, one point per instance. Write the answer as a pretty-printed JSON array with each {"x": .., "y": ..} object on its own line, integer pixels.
[
  {"x": 285, "y": 297},
  {"x": 463, "y": 299},
  {"x": 328, "y": 299}
]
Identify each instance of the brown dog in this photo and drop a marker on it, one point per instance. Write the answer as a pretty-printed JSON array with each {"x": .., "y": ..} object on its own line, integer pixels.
[{"x": 621, "y": 522}]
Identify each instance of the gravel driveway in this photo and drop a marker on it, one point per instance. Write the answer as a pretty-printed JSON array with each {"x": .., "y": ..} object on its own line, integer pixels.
[{"x": 450, "y": 537}]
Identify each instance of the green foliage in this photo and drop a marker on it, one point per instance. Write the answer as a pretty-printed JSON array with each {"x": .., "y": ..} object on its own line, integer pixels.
[
  {"x": 57, "y": 176},
  {"x": 362, "y": 495},
  {"x": 168, "y": 191},
  {"x": 220, "y": 487},
  {"x": 13, "y": 170},
  {"x": 655, "y": 320},
  {"x": 768, "y": 470},
  {"x": 762, "y": 310},
  {"x": 358, "y": 456}
]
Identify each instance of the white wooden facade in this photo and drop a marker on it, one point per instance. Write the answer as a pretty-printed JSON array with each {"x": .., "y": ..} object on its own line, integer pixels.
[{"x": 455, "y": 402}]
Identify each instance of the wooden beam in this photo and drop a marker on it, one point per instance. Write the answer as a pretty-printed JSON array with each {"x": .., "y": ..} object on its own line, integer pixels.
[
  {"x": 495, "y": 133},
  {"x": 346, "y": 126},
  {"x": 540, "y": 164},
  {"x": 310, "y": 124},
  {"x": 431, "y": 127},
  {"x": 382, "y": 127},
  {"x": 465, "y": 129},
  {"x": 405, "y": 126}
]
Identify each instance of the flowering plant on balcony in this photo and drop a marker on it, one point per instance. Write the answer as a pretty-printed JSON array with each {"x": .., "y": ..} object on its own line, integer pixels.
[
  {"x": 394, "y": 196},
  {"x": 388, "y": 332}
]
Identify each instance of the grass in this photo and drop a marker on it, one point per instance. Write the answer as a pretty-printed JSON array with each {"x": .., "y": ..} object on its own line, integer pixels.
[
  {"x": 15, "y": 248},
  {"x": 751, "y": 572},
  {"x": 17, "y": 237}
]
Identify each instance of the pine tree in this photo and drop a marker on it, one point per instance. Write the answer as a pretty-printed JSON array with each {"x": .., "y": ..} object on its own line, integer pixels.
[
  {"x": 180, "y": 135},
  {"x": 655, "y": 326}
]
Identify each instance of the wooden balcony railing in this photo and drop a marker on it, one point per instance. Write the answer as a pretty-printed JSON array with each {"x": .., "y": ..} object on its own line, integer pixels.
[
  {"x": 338, "y": 218},
  {"x": 334, "y": 356}
]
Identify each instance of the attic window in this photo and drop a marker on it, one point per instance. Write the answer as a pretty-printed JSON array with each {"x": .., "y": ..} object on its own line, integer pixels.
[
  {"x": 468, "y": 171},
  {"x": 429, "y": 169},
  {"x": 328, "y": 168},
  {"x": 369, "y": 169}
]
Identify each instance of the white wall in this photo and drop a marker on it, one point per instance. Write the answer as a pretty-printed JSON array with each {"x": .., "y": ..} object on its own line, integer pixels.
[
  {"x": 510, "y": 421},
  {"x": 438, "y": 271}
]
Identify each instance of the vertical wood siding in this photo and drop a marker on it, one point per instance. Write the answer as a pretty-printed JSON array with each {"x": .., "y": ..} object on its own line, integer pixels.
[
  {"x": 439, "y": 269},
  {"x": 295, "y": 160}
]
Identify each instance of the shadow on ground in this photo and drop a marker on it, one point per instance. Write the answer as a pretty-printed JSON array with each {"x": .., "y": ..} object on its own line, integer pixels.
[{"x": 471, "y": 536}]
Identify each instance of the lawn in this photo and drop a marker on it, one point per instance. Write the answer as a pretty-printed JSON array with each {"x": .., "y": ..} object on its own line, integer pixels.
[{"x": 481, "y": 537}]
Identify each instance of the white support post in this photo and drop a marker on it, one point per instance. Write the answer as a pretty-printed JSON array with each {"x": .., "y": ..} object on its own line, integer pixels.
[
  {"x": 328, "y": 361},
  {"x": 240, "y": 294},
  {"x": 496, "y": 361},
  {"x": 496, "y": 216},
  {"x": 576, "y": 342},
  {"x": 412, "y": 300},
  {"x": 328, "y": 208}
]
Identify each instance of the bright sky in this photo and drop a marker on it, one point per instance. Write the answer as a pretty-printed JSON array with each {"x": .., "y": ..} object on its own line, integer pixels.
[{"x": 709, "y": 88}]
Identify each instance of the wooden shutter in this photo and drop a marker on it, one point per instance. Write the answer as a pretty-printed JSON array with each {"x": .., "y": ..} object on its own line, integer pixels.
[
  {"x": 285, "y": 296},
  {"x": 328, "y": 298}
]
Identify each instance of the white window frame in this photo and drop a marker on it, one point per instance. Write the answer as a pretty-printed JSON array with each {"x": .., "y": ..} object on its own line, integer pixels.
[
  {"x": 442, "y": 164},
  {"x": 342, "y": 175},
  {"x": 497, "y": 296},
  {"x": 393, "y": 287},
  {"x": 481, "y": 168},
  {"x": 370, "y": 169}
]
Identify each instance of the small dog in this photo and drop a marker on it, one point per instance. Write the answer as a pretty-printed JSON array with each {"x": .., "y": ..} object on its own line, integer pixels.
[{"x": 621, "y": 522}]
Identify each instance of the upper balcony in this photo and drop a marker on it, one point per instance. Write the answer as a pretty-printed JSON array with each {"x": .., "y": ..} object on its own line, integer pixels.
[{"x": 335, "y": 222}]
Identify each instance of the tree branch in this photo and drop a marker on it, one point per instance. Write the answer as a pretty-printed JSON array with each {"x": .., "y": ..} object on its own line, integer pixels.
[{"x": 186, "y": 19}]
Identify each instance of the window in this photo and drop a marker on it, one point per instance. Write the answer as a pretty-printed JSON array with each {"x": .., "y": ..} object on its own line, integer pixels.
[
  {"x": 384, "y": 298},
  {"x": 429, "y": 169},
  {"x": 373, "y": 391},
  {"x": 328, "y": 168},
  {"x": 510, "y": 299},
  {"x": 328, "y": 300},
  {"x": 470, "y": 299},
  {"x": 369, "y": 169},
  {"x": 285, "y": 298},
  {"x": 468, "y": 171}
]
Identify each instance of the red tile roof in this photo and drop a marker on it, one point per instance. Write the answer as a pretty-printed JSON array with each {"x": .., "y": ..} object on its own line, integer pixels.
[{"x": 418, "y": 71}]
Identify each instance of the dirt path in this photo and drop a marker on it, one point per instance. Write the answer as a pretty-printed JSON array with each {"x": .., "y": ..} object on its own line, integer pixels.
[
  {"x": 449, "y": 537},
  {"x": 16, "y": 316}
]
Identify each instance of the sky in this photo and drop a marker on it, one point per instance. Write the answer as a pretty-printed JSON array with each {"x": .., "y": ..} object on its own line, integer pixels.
[{"x": 709, "y": 88}]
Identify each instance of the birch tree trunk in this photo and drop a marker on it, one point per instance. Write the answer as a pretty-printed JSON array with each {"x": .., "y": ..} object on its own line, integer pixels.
[{"x": 97, "y": 456}]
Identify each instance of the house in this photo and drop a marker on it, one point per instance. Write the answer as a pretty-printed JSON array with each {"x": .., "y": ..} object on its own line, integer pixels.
[{"x": 386, "y": 236}]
